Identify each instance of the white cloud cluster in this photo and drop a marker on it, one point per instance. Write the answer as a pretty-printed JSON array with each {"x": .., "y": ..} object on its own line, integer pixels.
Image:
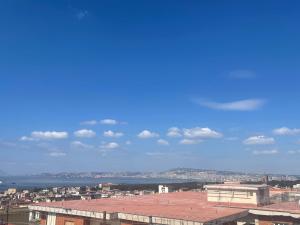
[
  {"x": 147, "y": 134},
  {"x": 174, "y": 132},
  {"x": 163, "y": 142},
  {"x": 265, "y": 152},
  {"x": 195, "y": 132},
  {"x": 112, "y": 134},
  {"x": 285, "y": 131},
  {"x": 242, "y": 105},
  {"x": 259, "y": 140},
  {"x": 84, "y": 133},
  {"x": 46, "y": 135}
]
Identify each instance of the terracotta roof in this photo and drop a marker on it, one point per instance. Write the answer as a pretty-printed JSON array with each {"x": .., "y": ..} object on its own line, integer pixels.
[
  {"x": 192, "y": 206},
  {"x": 292, "y": 207}
]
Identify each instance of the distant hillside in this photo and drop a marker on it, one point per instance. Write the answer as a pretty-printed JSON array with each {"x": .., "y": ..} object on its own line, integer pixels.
[{"x": 193, "y": 170}]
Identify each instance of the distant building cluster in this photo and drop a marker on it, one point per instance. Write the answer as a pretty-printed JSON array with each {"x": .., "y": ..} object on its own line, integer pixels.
[{"x": 22, "y": 198}]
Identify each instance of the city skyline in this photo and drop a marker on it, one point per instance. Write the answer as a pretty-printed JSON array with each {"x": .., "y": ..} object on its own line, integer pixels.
[{"x": 149, "y": 86}]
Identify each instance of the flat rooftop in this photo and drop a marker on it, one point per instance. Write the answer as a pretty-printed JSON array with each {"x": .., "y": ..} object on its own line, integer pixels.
[
  {"x": 187, "y": 206},
  {"x": 190, "y": 206},
  {"x": 237, "y": 186}
]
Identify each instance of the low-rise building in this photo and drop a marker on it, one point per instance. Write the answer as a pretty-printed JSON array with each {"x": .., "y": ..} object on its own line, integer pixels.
[
  {"x": 238, "y": 193},
  {"x": 177, "y": 208}
]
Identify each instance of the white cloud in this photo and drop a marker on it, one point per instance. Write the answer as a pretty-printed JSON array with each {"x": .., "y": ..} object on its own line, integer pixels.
[
  {"x": 108, "y": 122},
  {"x": 112, "y": 134},
  {"x": 57, "y": 154},
  {"x": 162, "y": 142},
  {"x": 199, "y": 132},
  {"x": 89, "y": 122},
  {"x": 174, "y": 132},
  {"x": 231, "y": 138},
  {"x": 25, "y": 138},
  {"x": 293, "y": 152},
  {"x": 242, "y": 74},
  {"x": 265, "y": 152},
  {"x": 110, "y": 145},
  {"x": 84, "y": 133},
  {"x": 48, "y": 135},
  {"x": 147, "y": 134},
  {"x": 128, "y": 142},
  {"x": 79, "y": 144},
  {"x": 189, "y": 141},
  {"x": 155, "y": 153},
  {"x": 259, "y": 140},
  {"x": 284, "y": 131},
  {"x": 242, "y": 105}
]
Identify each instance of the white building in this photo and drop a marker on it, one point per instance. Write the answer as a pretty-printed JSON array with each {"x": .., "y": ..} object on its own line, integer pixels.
[
  {"x": 163, "y": 189},
  {"x": 238, "y": 193}
]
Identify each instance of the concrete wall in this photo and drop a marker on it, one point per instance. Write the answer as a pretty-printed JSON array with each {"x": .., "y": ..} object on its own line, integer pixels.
[
  {"x": 15, "y": 216},
  {"x": 232, "y": 196},
  {"x": 63, "y": 219},
  {"x": 255, "y": 197}
]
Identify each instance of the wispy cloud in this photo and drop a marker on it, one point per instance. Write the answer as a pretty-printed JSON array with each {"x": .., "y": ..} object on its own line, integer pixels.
[
  {"x": 108, "y": 122},
  {"x": 241, "y": 105},
  {"x": 189, "y": 141},
  {"x": 293, "y": 152},
  {"x": 79, "y": 144},
  {"x": 162, "y": 142},
  {"x": 89, "y": 122},
  {"x": 265, "y": 152},
  {"x": 26, "y": 138},
  {"x": 231, "y": 138},
  {"x": 110, "y": 145},
  {"x": 47, "y": 135},
  {"x": 285, "y": 131},
  {"x": 155, "y": 153},
  {"x": 57, "y": 154},
  {"x": 81, "y": 14},
  {"x": 259, "y": 140},
  {"x": 242, "y": 74}
]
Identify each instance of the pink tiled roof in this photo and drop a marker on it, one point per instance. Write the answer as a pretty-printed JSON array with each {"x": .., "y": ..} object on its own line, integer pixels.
[{"x": 191, "y": 206}]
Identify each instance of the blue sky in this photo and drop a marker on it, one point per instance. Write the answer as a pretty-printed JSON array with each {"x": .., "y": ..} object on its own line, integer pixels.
[{"x": 149, "y": 85}]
